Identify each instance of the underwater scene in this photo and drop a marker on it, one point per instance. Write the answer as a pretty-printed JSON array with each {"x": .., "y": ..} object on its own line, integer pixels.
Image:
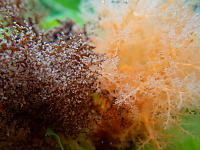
[{"x": 99, "y": 74}]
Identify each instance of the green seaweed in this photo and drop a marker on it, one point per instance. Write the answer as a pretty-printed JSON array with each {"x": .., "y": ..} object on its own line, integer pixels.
[{"x": 50, "y": 132}]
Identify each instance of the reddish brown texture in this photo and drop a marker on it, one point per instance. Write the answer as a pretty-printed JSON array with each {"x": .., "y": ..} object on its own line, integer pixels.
[{"x": 46, "y": 81}]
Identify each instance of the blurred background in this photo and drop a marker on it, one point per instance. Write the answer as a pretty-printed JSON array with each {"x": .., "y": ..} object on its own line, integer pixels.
[{"x": 60, "y": 10}]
